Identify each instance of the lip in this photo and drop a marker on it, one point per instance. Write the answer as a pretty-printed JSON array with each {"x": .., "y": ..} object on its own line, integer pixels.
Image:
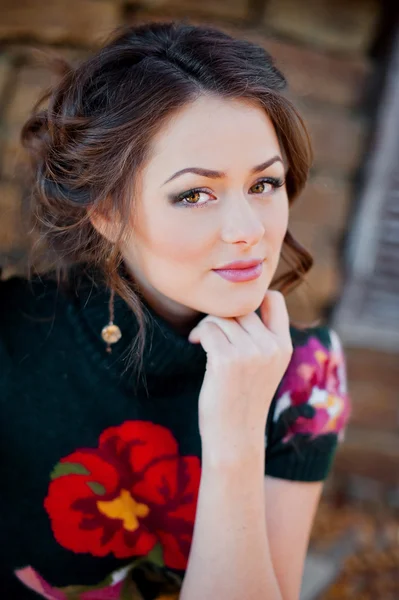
[
  {"x": 239, "y": 274},
  {"x": 240, "y": 264}
]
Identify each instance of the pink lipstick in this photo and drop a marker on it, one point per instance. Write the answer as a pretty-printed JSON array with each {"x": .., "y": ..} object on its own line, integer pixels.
[{"x": 242, "y": 270}]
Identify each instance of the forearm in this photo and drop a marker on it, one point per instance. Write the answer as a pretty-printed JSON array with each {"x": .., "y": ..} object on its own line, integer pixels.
[{"x": 230, "y": 557}]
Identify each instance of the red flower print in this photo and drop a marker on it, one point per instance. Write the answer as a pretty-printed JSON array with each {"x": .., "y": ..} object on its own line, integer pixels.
[{"x": 126, "y": 495}]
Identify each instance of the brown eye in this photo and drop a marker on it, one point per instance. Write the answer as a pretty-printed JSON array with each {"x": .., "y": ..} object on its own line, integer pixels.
[
  {"x": 192, "y": 197},
  {"x": 195, "y": 198},
  {"x": 261, "y": 187}
]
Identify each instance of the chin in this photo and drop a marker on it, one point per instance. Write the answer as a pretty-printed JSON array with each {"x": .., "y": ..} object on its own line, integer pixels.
[{"x": 237, "y": 307}]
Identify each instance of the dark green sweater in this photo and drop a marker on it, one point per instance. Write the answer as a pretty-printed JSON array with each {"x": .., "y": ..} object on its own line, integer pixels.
[{"x": 95, "y": 472}]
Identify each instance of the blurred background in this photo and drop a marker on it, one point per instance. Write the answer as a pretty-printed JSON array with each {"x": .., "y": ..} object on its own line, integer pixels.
[{"x": 341, "y": 59}]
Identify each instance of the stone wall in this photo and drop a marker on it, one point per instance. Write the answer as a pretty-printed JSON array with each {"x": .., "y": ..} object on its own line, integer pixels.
[{"x": 322, "y": 47}]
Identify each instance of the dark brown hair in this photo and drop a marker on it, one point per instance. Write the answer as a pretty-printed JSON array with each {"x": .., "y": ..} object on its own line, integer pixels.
[{"x": 93, "y": 135}]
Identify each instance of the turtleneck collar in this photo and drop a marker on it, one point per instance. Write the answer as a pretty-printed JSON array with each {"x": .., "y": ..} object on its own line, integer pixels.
[{"x": 167, "y": 353}]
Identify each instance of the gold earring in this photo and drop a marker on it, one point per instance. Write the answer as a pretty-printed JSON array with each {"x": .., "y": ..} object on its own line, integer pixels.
[{"x": 111, "y": 332}]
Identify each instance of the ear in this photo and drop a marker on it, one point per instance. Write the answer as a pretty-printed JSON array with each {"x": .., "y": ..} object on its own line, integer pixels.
[{"x": 107, "y": 225}]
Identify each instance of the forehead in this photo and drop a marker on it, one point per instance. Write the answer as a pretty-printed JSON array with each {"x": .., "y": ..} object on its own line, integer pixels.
[{"x": 216, "y": 133}]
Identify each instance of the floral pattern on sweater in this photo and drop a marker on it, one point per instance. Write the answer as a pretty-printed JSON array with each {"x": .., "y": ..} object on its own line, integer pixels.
[
  {"x": 119, "y": 585},
  {"x": 135, "y": 497},
  {"x": 315, "y": 381},
  {"x": 124, "y": 496}
]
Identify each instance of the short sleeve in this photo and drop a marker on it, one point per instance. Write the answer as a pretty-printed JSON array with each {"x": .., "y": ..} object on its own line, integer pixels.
[{"x": 310, "y": 409}]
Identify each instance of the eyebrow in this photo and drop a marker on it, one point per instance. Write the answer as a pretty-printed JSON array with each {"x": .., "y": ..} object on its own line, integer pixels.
[{"x": 220, "y": 174}]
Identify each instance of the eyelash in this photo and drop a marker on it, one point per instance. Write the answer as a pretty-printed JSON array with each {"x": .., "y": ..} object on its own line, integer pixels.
[{"x": 275, "y": 182}]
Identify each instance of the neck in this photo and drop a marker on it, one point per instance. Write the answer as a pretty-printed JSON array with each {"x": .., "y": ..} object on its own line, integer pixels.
[{"x": 180, "y": 317}]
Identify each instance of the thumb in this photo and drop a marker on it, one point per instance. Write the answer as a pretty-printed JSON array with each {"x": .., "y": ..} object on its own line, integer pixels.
[
  {"x": 274, "y": 313},
  {"x": 264, "y": 309}
]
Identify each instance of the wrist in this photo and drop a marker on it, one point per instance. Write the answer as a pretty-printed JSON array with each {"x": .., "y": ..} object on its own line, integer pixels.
[{"x": 235, "y": 456}]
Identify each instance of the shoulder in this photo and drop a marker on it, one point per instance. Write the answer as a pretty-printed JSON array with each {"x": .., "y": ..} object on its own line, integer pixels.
[
  {"x": 27, "y": 310},
  {"x": 19, "y": 295},
  {"x": 315, "y": 382}
]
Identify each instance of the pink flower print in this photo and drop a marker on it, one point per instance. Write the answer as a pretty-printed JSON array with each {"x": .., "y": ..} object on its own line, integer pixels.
[
  {"x": 35, "y": 582},
  {"x": 316, "y": 377},
  {"x": 31, "y": 579},
  {"x": 119, "y": 584}
]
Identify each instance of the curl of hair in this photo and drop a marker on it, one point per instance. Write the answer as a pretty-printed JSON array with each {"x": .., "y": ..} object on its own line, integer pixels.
[{"x": 126, "y": 91}]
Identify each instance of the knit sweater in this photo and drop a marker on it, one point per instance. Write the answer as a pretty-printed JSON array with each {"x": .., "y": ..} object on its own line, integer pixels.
[{"x": 100, "y": 471}]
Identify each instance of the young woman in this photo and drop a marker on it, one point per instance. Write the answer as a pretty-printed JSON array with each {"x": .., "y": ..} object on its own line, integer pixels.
[{"x": 165, "y": 430}]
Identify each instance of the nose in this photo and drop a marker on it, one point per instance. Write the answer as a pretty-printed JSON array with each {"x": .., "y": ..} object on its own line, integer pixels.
[{"x": 241, "y": 223}]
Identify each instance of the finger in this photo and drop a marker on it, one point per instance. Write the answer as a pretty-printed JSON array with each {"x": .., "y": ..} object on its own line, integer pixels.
[
  {"x": 230, "y": 328},
  {"x": 256, "y": 329},
  {"x": 211, "y": 337},
  {"x": 274, "y": 314},
  {"x": 194, "y": 335}
]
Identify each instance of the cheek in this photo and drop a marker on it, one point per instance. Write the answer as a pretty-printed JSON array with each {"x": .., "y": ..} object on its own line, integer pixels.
[
  {"x": 275, "y": 230},
  {"x": 171, "y": 239},
  {"x": 276, "y": 222},
  {"x": 281, "y": 228}
]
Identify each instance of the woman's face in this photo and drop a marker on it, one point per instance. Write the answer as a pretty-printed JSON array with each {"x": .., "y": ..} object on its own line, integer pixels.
[{"x": 187, "y": 224}]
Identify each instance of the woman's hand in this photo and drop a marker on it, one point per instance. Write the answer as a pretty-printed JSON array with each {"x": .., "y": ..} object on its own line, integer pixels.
[{"x": 246, "y": 360}]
